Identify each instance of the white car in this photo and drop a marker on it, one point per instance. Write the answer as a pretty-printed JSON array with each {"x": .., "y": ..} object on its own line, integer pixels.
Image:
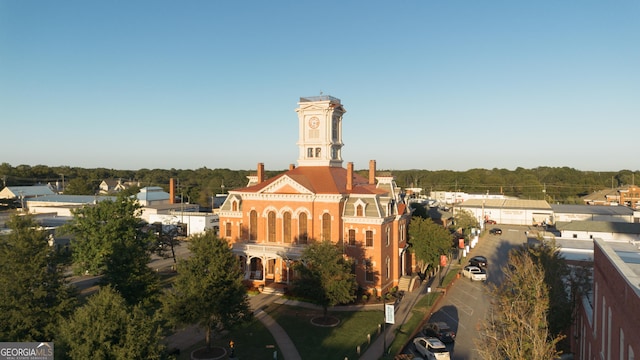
[
  {"x": 431, "y": 348},
  {"x": 474, "y": 273}
]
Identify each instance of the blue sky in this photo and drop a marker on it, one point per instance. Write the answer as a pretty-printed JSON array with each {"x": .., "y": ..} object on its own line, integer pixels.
[{"x": 426, "y": 84}]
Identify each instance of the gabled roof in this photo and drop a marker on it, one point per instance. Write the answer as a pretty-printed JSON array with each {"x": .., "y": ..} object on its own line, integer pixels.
[
  {"x": 320, "y": 180},
  {"x": 15, "y": 192}
]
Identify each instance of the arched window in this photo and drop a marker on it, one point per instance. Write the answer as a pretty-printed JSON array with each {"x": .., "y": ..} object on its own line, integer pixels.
[
  {"x": 286, "y": 227},
  {"x": 326, "y": 226},
  {"x": 388, "y": 234},
  {"x": 359, "y": 210},
  {"x": 302, "y": 228},
  {"x": 253, "y": 225},
  {"x": 318, "y": 152},
  {"x": 234, "y": 206},
  {"x": 271, "y": 226}
]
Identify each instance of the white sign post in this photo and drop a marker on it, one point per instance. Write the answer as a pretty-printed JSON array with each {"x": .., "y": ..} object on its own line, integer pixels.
[{"x": 389, "y": 314}]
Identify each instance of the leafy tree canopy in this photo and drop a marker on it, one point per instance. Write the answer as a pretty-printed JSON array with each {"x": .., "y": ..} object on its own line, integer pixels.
[
  {"x": 107, "y": 328},
  {"x": 325, "y": 275},
  {"x": 560, "y": 184},
  {"x": 208, "y": 289},
  {"x": 33, "y": 292},
  {"x": 428, "y": 241},
  {"x": 108, "y": 240},
  {"x": 516, "y": 327}
]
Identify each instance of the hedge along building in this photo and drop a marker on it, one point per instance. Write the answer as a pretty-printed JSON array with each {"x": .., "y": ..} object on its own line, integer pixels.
[{"x": 270, "y": 221}]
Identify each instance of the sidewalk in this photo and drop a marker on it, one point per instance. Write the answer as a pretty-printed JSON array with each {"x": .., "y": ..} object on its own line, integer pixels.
[
  {"x": 376, "y": 350},
  {"x": 191, "y": 335}
]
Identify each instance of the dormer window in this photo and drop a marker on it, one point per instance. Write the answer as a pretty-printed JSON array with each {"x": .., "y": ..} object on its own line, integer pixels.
[{"x": 360, "y": 207}]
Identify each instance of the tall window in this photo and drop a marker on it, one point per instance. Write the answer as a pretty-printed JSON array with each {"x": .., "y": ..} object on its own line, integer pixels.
[
  {"x": 352, "y": 236},
  {"x": 286, "y": 227},
  {"x": 359, "y": 210},
  {"x": 368, "y": 271},
  {"x": 271, "y": 226},
  {"x": 234, "y": 206},
  {"x": 253, "y": 225},
  {"x": 388, "y": 235},
  {"x": 368, "y": 238},
  {"x": 227, "y": 229},
  {"x": 387, "y": 267},
  {"x": 326, "y": 226},
  {"x": 309, "y": 152},
  {"x": 318, "y": 152},
  {"x": 302, "y": 228}
]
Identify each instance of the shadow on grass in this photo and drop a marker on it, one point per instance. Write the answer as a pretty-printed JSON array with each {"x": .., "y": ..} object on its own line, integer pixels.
[{"x": 251, "y": 341}]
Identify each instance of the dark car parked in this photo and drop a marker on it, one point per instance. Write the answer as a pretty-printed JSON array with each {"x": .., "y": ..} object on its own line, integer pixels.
[
  {"x": 439, "y": 330},
  {"x": 495, "y": 231},
  {"x": 479, "y": 261}
]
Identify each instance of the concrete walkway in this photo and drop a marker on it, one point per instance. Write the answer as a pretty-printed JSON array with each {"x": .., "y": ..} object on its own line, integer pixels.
[
  {"x": 377, "y": 348},
  {"x": 191, "y": 335}
]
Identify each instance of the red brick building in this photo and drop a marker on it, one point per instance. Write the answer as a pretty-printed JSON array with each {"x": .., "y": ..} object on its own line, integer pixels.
[
  {"x": 607, "y": 322},
  {"x": 270, "y": 221}
]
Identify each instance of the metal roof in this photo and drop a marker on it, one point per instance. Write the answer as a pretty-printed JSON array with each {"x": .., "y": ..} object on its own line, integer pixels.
[
  {"x": 599, "y": 226},
  {"x": 15, "y": 192},
  {"x": 592, "y": 209},
  {"x": 507, "y": 203}
]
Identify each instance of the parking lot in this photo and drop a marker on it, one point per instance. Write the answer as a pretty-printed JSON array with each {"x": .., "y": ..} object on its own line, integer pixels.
[{"x": 466, "y": 303}]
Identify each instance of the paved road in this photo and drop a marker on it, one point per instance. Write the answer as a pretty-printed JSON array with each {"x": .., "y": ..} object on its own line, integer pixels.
[{"x": 466, "y": 303}]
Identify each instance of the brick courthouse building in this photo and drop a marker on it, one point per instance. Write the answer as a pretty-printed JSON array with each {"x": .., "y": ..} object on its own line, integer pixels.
[{"x": 270, "y": 221}]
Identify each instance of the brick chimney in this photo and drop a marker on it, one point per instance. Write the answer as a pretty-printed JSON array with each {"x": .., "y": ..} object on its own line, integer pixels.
[
  {"x": 172, "y": 191},
  {"x": 291, "y": 167},
  {"x": 260, "y": 173},
  {"x": 372, "y": 172},
  {"x": 349, "y": 176}
]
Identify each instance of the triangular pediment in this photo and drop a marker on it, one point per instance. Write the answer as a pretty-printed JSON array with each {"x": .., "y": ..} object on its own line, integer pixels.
[{"x": 285, "y": 185}]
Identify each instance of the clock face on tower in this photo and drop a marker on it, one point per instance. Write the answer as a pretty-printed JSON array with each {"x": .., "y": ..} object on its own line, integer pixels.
[{"x": 314, "y": 122}]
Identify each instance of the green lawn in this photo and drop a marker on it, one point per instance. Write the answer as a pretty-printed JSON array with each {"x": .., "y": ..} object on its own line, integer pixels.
[
  {"x": 316, "y": 342},
  {"x": 254, "y": 341}
]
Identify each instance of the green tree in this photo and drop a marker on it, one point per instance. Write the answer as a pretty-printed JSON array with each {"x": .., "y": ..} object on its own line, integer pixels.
[
  {"x": 428, "y": 241},
  {"x": 107, "y": 328},
  {"x": 419, "y": 210},
  {"x": 516, "y": 327},
  {"x": 464, "y": 221},
  {"x": 33, "y": 292},
  {"x": 208, "y": 289},
  {"x": 556, "y": 276},
  {"x": 79, "y": 186},
  {"x": 325, "y": 275},
  {"x": 108, "y": 240}
]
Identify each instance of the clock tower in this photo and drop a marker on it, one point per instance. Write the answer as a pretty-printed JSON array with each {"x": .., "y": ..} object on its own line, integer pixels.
[{"x": 320, "y": 131}]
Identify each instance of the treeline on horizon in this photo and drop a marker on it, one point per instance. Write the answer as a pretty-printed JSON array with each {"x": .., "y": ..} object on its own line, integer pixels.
[{"x": 562, "y": 185}]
